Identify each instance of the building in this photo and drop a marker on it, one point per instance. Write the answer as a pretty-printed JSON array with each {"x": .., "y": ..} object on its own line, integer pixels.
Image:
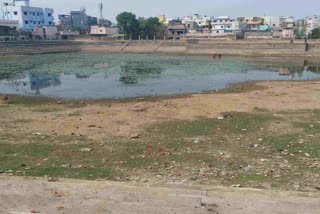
[
  {"x": 77, "y": 19},
  {"x": 312, "y": 22},
  {"x": 204, "y": 22},
  {"x": 102, "y": 31},
  {"x": 14, "y": 24},
  {"x": 27, "y": 16},
  {"x": 192, "y": 26},
  {"x": 46, "y": 32},
  {"x": 250, "y": 23},
  {"x": 223, "y": 24},
  {"x": 162, "y": 18},
  {"x": 68, "y": 34},
  {"x": 176, "y": 31},
  {"x": 272, "y": 21}
]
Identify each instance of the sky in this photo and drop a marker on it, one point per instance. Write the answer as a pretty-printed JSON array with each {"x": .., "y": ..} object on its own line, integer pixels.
[{"x": 178, "y": 8}]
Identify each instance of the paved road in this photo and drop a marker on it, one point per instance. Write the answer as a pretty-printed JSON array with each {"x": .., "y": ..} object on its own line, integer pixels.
[{"x": 21, "y": 195}]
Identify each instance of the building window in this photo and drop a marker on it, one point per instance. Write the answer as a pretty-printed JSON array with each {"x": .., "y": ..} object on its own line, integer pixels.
[
  {"x": 33, "y": 14},
  {"x": 228, "y": 26},
  {"x": 49, "y": 14},
  {"x": 30, "y": 13},
  {"x": 26, "y": 22},
  {"x": 50, "y": 23},
  {"x": 38, "y": 22},
  {"x": 15, "y": 13},
  {"x": 34, "y": 22},
  {"x": 38, "y": 14},
  {"x": 41, "y": 14},
  {"x": 25, "y": 13}
]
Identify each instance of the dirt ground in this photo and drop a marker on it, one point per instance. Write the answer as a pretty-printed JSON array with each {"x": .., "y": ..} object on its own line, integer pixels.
[
  {"x": 262, "y": 135},
  {"x": 96, "y": 121},
  {"x": 23, "y": 195}
]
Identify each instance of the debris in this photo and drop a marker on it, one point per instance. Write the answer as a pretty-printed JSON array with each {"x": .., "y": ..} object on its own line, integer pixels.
[
  {"x": 34, "y": 211},
  {"x": 87, "y": 149},
  {"x": 59, "y": 194},
  {"x": 99, "y": 179},
  {"x": 296, "y": 186},
  {"x": 236, "y": 185},
  {"x": 149, "y": 147},
  {"x": 260, "y": 140},
  {"x": 245, "y": 168},
  {"x": 243, "y": 129},
  {"x": 59, "y": 102},
  {"x": 220, "y": 157},
  {"x": 220, "y": 118},
  {"x": 307, "y": 154},
  {"x": 135, "y": 136},
  {"x": 60, "y": 207},
  {"x": 37, "y": 133},
  {"x": 196, "y": 141},
  {"x": 94, "y": 192},
  {"x": 85, "y": 165},
  {"x": 92, "y": 126},
  {"x": 227, "y": 116},
  {"x": 53, "y": 179},
  {"x": 312, "y": 196}
]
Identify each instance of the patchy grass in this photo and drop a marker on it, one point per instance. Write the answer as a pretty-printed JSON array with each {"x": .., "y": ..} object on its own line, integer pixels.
[{"x": 203, "y": 126}]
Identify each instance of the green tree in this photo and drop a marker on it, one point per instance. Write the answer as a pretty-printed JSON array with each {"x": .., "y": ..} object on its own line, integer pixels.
[
  {"x": 315, "y": 33},
  {"x": 300, "y": 32},
  {"x": 128, "y": 25}
]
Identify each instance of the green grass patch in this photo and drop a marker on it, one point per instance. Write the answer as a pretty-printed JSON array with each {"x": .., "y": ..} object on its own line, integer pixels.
[
  {"x": 294, "y": 144},
  {"x": 205, "y": 126}
]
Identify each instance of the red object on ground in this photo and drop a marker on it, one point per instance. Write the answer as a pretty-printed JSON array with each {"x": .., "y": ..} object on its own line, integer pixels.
[
  {"x": 85, "y": 165},
  {"x": 137, "y": 106},
  {"x": 99, "y": 179},
  {"x": 33, "y": 211},
  {"x": 220, "y": 157},
  {"x": 213, "y": 56},
  {"x": 149, "y": 147}
]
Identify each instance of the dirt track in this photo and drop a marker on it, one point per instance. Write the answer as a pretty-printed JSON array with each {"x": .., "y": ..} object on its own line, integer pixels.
[{"x": 21, "y": 195}]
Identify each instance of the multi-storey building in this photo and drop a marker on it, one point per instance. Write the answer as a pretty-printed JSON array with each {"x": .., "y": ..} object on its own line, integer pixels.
[
  {"x": 27, "y": 16},
  {"x": 224, "y": 24},
  {"x": 77, "y": 19}
]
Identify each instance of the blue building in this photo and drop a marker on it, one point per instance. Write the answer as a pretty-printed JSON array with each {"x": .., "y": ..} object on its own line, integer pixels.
[{"x": 28, "y": 17}]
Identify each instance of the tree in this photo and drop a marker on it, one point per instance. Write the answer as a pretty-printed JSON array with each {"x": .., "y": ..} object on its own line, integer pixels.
[
  {"x": 315, "y": 33},
  {"x": 128, "y": 25},
  {"x": 300, "y": 32}
]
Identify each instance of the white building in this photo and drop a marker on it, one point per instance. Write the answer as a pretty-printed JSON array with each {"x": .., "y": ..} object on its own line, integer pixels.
[
  {"x": 28, "y": 17},
  {"x": 224, "y": 24},
  {"x": 272, "y": 21},
  {"x": 204, "y": 22},
  {"x": 312, "y": 23},
  {"x": 287, "y": 19}
]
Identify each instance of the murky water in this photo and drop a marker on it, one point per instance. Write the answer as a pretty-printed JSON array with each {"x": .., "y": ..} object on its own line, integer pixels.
[{"x": 75, "y": 75}]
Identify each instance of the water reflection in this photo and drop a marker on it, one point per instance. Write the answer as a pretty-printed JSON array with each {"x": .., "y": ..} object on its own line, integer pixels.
[
  {"x": 136, "y": 78},
  {"x": 38, "y": 81},
  {"x": 133, "y": 72}
]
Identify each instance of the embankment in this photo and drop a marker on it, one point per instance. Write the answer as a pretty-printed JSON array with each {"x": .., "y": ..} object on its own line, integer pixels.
[{"x": 241, "y": 48}]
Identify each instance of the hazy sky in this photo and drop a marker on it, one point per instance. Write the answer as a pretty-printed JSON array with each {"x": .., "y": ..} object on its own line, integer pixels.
[{"x": 175, "y": 8}]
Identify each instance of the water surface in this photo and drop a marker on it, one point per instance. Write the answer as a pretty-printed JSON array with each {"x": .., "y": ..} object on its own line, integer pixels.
[{"x": 73, "y": 75}]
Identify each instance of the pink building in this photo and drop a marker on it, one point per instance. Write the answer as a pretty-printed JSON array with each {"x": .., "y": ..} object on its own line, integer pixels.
[
  {"x": 46, "y": 32},
  {"x": 287, "y": 33}
]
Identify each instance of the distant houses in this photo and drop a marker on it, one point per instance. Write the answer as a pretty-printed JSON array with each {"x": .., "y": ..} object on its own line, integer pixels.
[{"x": 21, "y": 21}]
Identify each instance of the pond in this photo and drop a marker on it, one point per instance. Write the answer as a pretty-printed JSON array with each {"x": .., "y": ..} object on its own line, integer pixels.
[{"x": 84, "y": 75}]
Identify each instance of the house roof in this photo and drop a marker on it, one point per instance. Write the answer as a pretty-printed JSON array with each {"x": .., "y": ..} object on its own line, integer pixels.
[{"x": 177, "y": 27}]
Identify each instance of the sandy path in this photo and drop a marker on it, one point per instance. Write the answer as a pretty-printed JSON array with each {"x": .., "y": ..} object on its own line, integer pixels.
[{"x": 21, "y": 195}]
